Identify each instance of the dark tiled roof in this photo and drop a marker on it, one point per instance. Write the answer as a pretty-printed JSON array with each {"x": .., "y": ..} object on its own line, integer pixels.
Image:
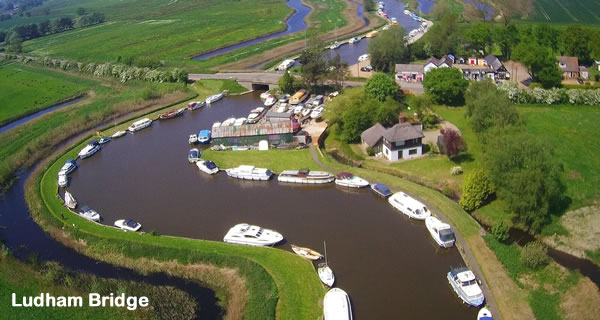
[
  {"x": 493, "y": 62},
  {"x": 409, "y": 68},
  {"x": 571, "y": 63},
  {"x": 372, "y": 135},
  {"x": 403, "y": 131}
]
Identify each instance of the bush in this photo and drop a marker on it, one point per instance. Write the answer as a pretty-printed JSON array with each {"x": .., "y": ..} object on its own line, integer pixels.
[
  {"x": 150, "y": 93},
  {"x": 500, "y": 231},
  {"x": 456, "y": 171},
  {"x": 580, "y": 95},
  {"x": 447, "y": 191},
  {"x": 371, "y": 152},
  {"x": 475, "y": 190},
  {"x": 429, "y": 120},
  {"x": 534, "y": 255}
]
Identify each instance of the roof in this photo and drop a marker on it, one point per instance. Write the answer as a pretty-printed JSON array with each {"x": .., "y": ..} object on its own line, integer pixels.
[
  {"x": 403, "y": 131},
  {"x": 409, "y": 68},
  {"x": 437, "y": 62},
  {"x": 372, "y": 135},
  {"x": 583, "y": 68},
  {"x": 493, "y": 62},
  {"x": 273, "y": 114},
  {"x": 473, "y": 67},
  {"x": 571, "y": 63},
  {"x": 257, "y": 129}
]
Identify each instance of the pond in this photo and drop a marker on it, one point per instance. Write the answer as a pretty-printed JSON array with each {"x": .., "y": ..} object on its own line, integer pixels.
[{"x": 388, "y": 264}]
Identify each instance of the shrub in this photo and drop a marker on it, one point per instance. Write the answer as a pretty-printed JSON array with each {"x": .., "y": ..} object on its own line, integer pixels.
[
  {"x": 150, "y": 93},
  {"x": 534, "y": 255},
  {"x": 447, "y": 190},
  {"x": 475, "y": 190},
  {"x": 371, "y": 152},
  {"x": 429, "y": 120},
  {"x": 500, "y": 231},
  {"x": 456, "y": 171}
]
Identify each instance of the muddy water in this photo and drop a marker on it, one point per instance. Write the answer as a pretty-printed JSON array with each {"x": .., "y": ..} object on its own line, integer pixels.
[{"x": 388, "y": 264}]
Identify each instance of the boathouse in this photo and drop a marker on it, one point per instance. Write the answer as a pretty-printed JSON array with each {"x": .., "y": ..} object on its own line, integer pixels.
[{"x": 275, "y": 133}]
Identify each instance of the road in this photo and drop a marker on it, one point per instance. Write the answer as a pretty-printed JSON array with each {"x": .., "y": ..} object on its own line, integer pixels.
[{"x": 254, "y": 77}]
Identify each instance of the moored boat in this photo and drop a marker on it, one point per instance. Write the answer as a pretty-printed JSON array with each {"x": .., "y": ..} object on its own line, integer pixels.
[
  {"x": 336, "y": 305},
  {"x": 214, "y": 98},
  {"x": 204, "y": 136},
  {"x": 251, "y": 235},
  {"x": 484, "y": 314},
  {"x": 299, "y": 96},
  {"x": 104, "y": 140},
  {"x": 465, "y": 285},
  {"x": 306, "y": 253},
  {"x": 316, "y": 113},
  {"x": 63, "y": 181},
  {"x": 265, "y": 95},
  {"x": 68, "y": 167},
  {"x": 239, "y": 121},
  {"x": 228, "y": 122},
  {"x": 194, "y": 105},
  {"x": 305, "y": 176},
  {"x": 324, "y": 271},
  {"x": 119, "y": 134},
  {"x": 409, "y": 206},
  {"x": 440, "y": 232},
  {"x": 89, "y": 150},
  {"x": 70, "y": 201},
  {"x": 249, "y": 173},
  {"x": 128, "y": 225},
  {"x": 346, "y": 179},
  {"x": 381, "y": 190},
  {"x": 193, "y": 139},
  {"x": 193, "y": 155},
  {"x": 354, "y": 40},
  {"x": 139, "y": 125},
  {"x": 286, "y": 64},
  {"x": 216, "y": 125},
  {"x": 89, "y": 214},
  {"x": 334, "y": 45},
  {"x": 207, "y": 167},
  {"x": 271, "y": 100},
  {"x": 171, "y": 114}
]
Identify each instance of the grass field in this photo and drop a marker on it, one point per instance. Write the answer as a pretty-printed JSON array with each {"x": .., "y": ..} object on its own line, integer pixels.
[
  {"x": 567, "y": 11},
  {"x": 205, "y": 88},
  {"x": 25, "y": 90}
]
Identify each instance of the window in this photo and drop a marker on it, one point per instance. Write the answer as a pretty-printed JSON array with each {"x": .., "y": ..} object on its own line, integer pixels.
[
  {"x": 399, "y": 143},
  {"x": 412, "y": 151},
  {"x": 385, "y": 151}
]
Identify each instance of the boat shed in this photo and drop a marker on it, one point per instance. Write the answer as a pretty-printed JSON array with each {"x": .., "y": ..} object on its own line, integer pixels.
[
  {"x": 273, "y": 116},
  {"x": 250, "y": 134}
]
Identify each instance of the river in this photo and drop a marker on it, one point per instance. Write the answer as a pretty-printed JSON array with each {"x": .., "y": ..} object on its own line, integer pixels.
[
  {"x": 36, "y": 115},
  {"x": 388, "y": 264}
]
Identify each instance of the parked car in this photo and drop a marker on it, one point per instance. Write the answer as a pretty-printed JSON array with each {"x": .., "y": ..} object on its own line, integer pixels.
[{"x": 368, "y": 68}]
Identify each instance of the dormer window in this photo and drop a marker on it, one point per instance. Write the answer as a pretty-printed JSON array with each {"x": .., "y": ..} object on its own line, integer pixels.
[{"x": 562, "y": 65}]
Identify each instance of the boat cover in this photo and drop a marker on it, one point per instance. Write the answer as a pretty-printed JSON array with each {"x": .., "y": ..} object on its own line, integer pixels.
[
  {"x": 383, "y": 188},
  {"x": 344, "y": 175},
  {"x": 210, "y": 165},
  {"x": 130, "y": 223}
]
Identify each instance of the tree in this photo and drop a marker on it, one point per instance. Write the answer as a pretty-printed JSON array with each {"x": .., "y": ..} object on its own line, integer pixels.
[
  {"x": 453, "y": 142},
  {"x": 475, "y": 190},
  {"x": 387, "y": 112},
  {"x": 445, "y": 86},
  {"x": 380, "y": 86},
  {"x": 547, "y": 36},
  {"x": 81, "y": 11},
  {"x": 577, "y": 42},
  {"x": 387, "y": 49},
  {"x": 488, "y": 108},
  {"x": 444, "y": 36},
  {"x": 550, "y": 76},
  {"x": 44, "y": 27},
  {"x": 357, "y": 117},
  {"x": 2, "y": 36},
  {"x": 369, "y": 5},
  {"x": 15, "y": 43},
  {"x": 506, "y": 38},
  {"x": 526, "y": 174},
  {"x": 480, "y": 37},
  {"x": 533, "y": 56},
  {"x": 338, "y": 71},
  {"x": 63, "y": 24},
  {"x": 287, "y": 83},
  {"x": 314, "y": 65}
]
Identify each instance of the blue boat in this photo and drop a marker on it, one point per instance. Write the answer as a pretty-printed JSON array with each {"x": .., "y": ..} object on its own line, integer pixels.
[
  {"x": 204, "y": 136},
  {"x": 104, "y": 140},
  {"x": 381, "y": 190}
]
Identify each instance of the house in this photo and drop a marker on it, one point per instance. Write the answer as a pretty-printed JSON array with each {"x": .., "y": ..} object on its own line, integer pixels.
[
  {"x": 597, "y": 62},
  {"x": 409, "y": 72},
  {"x": 402, "y": 141},
  {"x": 476, "y": 72},
  {"x": 483, "y": 68},
  {"x": 434, "y": 63},
  {"x": 583, "y": 72},
  {"x": 500, "y": 72},
  {"x": 569, "y": 67}
]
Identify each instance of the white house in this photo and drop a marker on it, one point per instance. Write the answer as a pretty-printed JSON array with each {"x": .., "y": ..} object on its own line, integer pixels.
[
  {"x": 434, "y": 63},
  {"x": 402, "y": 141}
]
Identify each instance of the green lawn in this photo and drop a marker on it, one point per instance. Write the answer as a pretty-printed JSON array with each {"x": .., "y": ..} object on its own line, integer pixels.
[
  {"x": 25, "y": 90},
  {"x": 567, "y": 11},
  {"x": 205, "y": 88}
]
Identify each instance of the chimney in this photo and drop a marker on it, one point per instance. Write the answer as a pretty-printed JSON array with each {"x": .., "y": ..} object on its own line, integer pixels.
[{"x": 402, "y": 117}]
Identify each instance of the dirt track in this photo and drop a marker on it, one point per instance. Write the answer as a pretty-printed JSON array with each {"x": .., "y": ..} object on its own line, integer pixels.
[{"x": 355, "y": 25}]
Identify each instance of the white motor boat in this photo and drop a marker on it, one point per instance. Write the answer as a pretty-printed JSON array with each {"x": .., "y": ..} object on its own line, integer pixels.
[
  {"x": 346, "y": 179},
  {"x": 253, "y": 117},
  {"x": 193, "y": 155},
  {"x": 440, "y": 232},
  {"x": 408, "y": 13},
  {"x": 68, "y": 167},
  {"x": 89, "y": 214},
  {"x": 286, "y": 64},
  {"x": 128, "y": 225},
  {"x": 465, "y": 285},
  {"x": 305, "y": 176},
  {"x": 194, "y": 105},
  {"x": 62, "y": 180},
  {"x": 249, "y": 173},
  {"x": 207, "y": 167},
  {"x": 90, "y": 149},
  {"x": 193, "y": 139},
  {"x": 298, "y": 109},
  {"x": 334, "y": 45},
  {"x": 284, "y": 98},
  {"x": 409, "y": 206},
  {"x": 119, "y": 134},
  {"x": 265, "y": 95},
  {"x": 228, "y": 122},
  {"x": 271, "y": 100},
  {"x": 239, "y": 121},
  {"x": 305, "y": 112},
  {"x": 216, "y": 125},
  {"x": 70, "y": 201},
  {"x": 214, "y": 98},
  {"x": 139, "y": 125},
  {"x": 484, "y": 314},
  {"x": 324, "y": 271},
  {"x": 244, "y": 233},
  {"x": 354, "y": 40},
  {"x": 364, "y": 57},
  {"x": 336, "y": 305},
  {"x": 316, "y": 113},
  {"x": 282, "y": 108}
]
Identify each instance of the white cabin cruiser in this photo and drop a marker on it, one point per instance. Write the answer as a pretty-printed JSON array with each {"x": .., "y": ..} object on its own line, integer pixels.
[
  {"x": 334, "y": 45},
  {"x": 216, "y": 125},
  {"x": 63, "y": 181},
  {"x": 207, "y": 167},
  {"x": 228, "y": 122},
  {"x": 68, "y": 167},
  {"x": 305, "y": 176},
  {"x": 271, "y": 100},
  {"x": 139, "y": 125},
  {"x": 465, "y": 285},
  {"x": 346, "y": 179},
  {"x": 249, "y": 173},
  {"x": 128, "y": 225},
  {"x": 316, "y": 113},
  {"x": 239, "y": 121},
  {"x": 193, "y": 139},
  {"x": 89, "y": 214},
  {"x": 440, "y": 232},
  {"x": 363, "y": 57},
  {"x": 354, "y": 40},
  {"x": 193, "y": 155},
  {"x": 244, "y": 233},
  {"x": 119, "y": 134},
  {"x": 214, "y": 98},
  {"x": 409, "y": 206},
  {"x": 484, "y": 314},
  {"x": 336, "y": 305},
  {"x": 90, "y": 149},
  {"x": 286, "y": 64},
  {"x": 265, "y": 95},
  {"x": 70, "y": 201}
]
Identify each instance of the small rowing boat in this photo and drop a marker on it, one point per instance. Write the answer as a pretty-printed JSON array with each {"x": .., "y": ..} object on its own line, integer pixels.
[{"x": 306, "y": 253}]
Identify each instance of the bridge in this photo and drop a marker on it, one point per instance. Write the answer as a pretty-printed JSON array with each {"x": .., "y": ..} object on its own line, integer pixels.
[{"x": 250, "y": 80}]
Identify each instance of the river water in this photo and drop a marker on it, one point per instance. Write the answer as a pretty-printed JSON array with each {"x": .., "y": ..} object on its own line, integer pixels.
[
  {"x": 388, "y": 264},
  {"x": 36, "y": 115},
  {"x": 294, "y": 23}
]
